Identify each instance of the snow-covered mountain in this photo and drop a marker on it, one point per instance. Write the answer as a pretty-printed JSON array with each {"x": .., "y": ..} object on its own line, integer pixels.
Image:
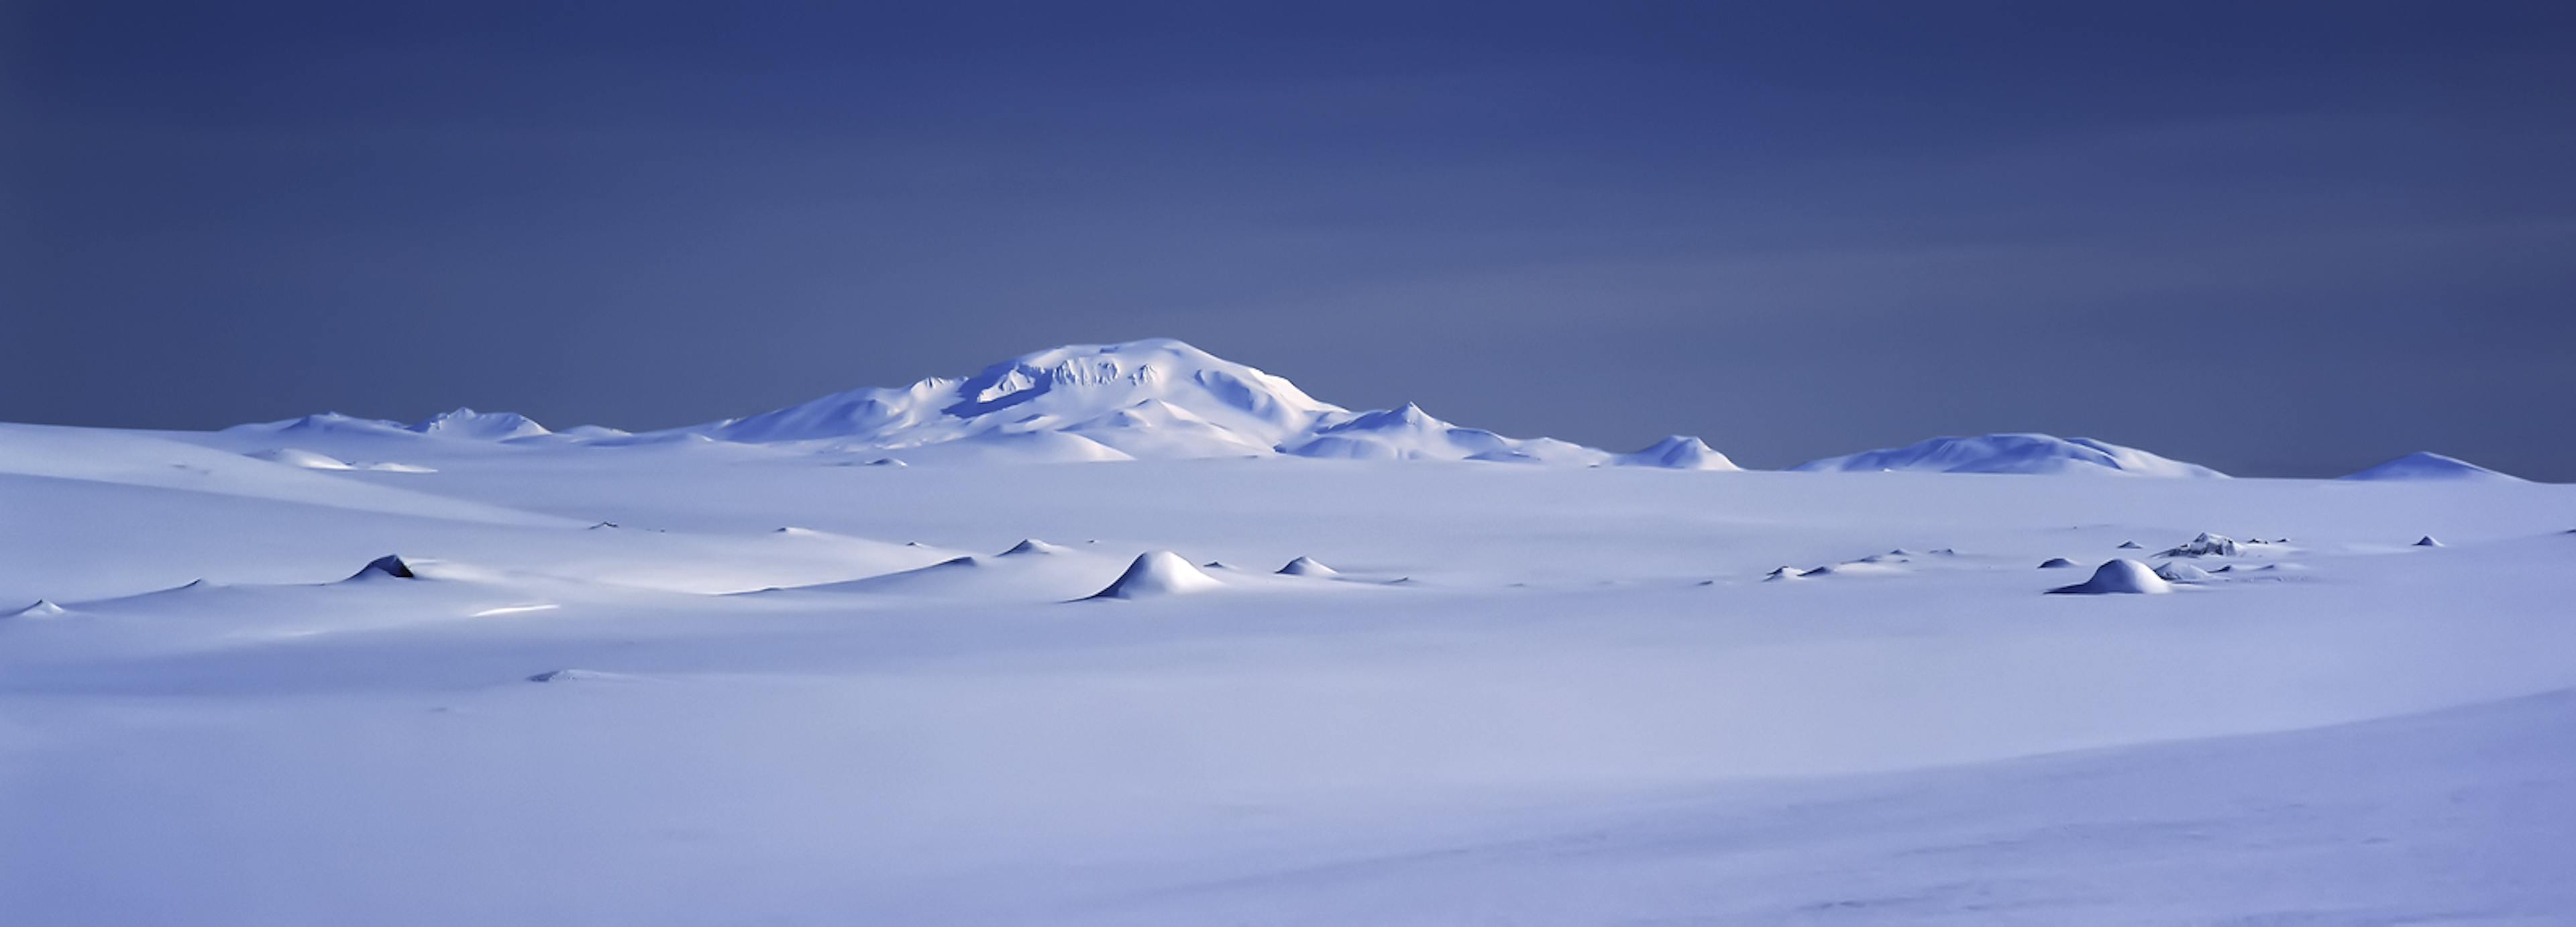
[
  {"x": 481, "y": 426},
  {"x": 2426, "y": 465},
  {"x": 2012, "y": 453},
  {"x": 1679, "y": 452},
  {"x": 462, "y": 423},
  {"x": 1162, "y": 399},
  {"x": 1156, "y": 398}
]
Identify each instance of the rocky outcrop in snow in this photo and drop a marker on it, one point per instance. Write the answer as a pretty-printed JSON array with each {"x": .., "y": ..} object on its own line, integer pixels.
[{"x": 2206, "y": 545}]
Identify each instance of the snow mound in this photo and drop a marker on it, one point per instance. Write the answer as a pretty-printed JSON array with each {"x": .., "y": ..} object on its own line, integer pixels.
[
  {"x": 299, "y": 457},
  {"x": 1678, "y": 452},
  {"x": 2426, "y": 465},
  {"x": 2129, "y": 545},
  {"x": 43, "y": 608},
  {"x": 479, "y": 426},
  {"x": 2179, "y": 572},
  {"x": 2057, "y": 563},
  {"x": 1307, "y": 566},
  {"x": 2011, "y": 453},
  {"x": 1158, "y": 573},
  {"x": 389, "y": 566},
  {"x": 2427, "y": 541},
  {"x": 1783, "y": 574},
  {"x": 2206, "y": 545},
  {"x": 2120, "y": 575},
  {"x": 1028, "y": 546},
  {"x": 887, "y": 462}
]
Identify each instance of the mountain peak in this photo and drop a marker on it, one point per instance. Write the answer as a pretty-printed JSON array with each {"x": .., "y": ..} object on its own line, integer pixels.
[
  {"x": 487, "y": 426},
  {"x": 1055, "y": 389},
  {"x": 1678, "y": 452}
]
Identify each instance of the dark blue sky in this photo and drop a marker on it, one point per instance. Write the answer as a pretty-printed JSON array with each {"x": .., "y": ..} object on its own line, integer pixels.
[{"x": 2272, "y": 238}]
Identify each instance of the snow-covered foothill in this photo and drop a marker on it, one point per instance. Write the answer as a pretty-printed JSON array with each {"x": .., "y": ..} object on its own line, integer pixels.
[
  {"x": 2011, "y": 453},
  {"x": 2426, "y": 465},
  {"x": 1678, "y": 452}
]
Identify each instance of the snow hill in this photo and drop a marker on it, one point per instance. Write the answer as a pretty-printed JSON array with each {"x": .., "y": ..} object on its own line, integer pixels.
[
  {"x": 481, "y": 426},
  {"x": 462, "y": 423},
  {"x": 2011, "y": 453},
  {"x": 1157, "y": 398},
  {"x": 2426, "y": 465},
  {"x": 1679, "y": 452}
]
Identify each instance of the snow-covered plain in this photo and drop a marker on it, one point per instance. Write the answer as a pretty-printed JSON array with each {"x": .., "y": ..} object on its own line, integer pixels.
[{"x": 731, "y": 675}]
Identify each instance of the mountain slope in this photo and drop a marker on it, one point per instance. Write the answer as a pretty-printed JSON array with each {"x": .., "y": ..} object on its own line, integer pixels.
[
  {"x": 1157, "y": 398},
  {"x": 1679, "y": 452},
  {"x": 2426, "y": 465},
  {"x": 1157, "y": 383},
  {"x": 2011, "y": 453}
]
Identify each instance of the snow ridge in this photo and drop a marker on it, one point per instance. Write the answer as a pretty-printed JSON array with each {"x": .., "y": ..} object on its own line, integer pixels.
[
  {"x": 2011, "y": 453},
  {"x": 2426, "y": 465}
]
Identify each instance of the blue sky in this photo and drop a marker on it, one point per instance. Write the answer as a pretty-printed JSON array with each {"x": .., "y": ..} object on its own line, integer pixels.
[{"x": 2275, "y": 238}]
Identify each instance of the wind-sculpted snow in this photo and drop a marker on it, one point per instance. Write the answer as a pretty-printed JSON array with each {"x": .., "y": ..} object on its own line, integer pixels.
[{"x": 2012, "y": 453}]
